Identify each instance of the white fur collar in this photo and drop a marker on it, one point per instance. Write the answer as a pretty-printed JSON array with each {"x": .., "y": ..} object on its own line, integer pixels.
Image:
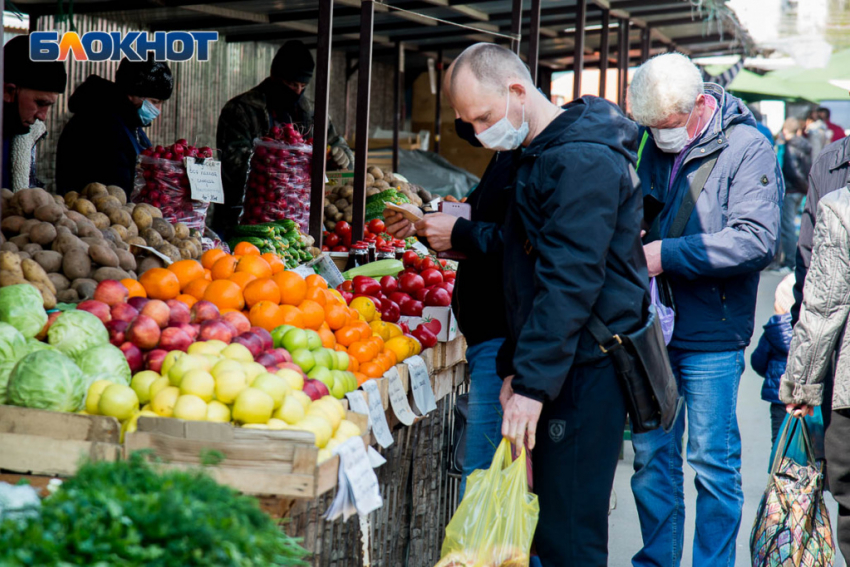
[{"x": 22, "y": 155}]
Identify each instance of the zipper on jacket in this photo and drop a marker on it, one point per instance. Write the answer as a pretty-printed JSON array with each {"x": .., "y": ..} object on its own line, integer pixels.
[{"x": 722, "y": 289}]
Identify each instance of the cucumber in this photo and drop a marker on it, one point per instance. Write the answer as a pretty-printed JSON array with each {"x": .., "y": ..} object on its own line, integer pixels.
[{"x": 376, "y": 270}]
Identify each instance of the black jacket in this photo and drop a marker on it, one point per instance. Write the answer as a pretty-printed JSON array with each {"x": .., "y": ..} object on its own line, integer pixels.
[
  {"x": 101, "y": 141},
  {"x": 796, "y": 165},
  {"x": 572, "y": 245},
  {"x": 478, "y": 300},
  {"x": 830, "y": 171}
]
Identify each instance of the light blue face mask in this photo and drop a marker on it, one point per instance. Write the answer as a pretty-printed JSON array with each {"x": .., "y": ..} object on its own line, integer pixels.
[{"x": 147, "y": 112}]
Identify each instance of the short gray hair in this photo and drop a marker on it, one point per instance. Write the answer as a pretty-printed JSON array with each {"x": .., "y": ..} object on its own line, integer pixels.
[
  {"x": 666, "y": 84},
  {"x": 492, "y": 65}
]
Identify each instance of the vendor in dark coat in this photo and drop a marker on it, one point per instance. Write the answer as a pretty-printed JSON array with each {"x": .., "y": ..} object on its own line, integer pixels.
[{"x": 101, "y": 141}]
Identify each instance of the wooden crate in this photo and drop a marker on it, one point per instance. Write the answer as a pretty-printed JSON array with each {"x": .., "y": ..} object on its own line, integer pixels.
[
  {"x": 453, "y": 352},
  {"x": 258, "y": 462},
  {"x": 55, "y": 443}
]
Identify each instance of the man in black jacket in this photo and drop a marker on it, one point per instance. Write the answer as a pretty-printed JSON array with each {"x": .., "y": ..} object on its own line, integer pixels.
[
  {"x": 571, "y": 248},
  {"x": 796, "y": 163}
]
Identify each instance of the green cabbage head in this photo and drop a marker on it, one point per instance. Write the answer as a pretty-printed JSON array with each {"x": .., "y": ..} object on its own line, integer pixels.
[
  {"x": 74, "y": 332},
  {"x": 107, "y": 362},
  {"x": 46, "y": 379},
  {"x": 22, "y": 307}
]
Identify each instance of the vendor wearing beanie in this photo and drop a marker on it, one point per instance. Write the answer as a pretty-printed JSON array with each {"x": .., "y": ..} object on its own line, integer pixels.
[
  {"x": 101, "y": 141},
  {"x": 277, "y": 100},
  {"x": 30, "y": 88}
]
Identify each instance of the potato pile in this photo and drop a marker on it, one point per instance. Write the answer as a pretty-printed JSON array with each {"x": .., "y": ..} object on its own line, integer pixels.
[
  {"x": 68, "y": 245},
  {"x": 339, "y": 198}
]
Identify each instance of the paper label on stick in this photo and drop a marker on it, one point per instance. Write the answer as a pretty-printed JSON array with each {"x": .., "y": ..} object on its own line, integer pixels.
[
  {"x": 361, "y": 477},
  {"x": 377, "y": 417},
  {"x": 358, "y": 404},
  {"x": 420, "y": 382},
  {"x": 205, "y": 179},
  {"x": 326, "y": 268},
  {"x": 304, "y": 271},
  {"x": 398, "y": 397}
]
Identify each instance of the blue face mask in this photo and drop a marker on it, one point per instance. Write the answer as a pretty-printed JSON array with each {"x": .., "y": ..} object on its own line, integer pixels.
[{"x": 147, "y": 112}]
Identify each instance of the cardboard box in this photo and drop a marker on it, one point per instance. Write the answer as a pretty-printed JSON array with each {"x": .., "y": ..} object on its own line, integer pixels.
[{"x": 444, "y": 315}]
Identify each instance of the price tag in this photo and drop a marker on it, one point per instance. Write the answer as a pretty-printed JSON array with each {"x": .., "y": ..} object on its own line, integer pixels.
[
  {"x": 398, "y": 397},
  {"x": 304, "y": 271},
  {"x": 358, "y": 403},
  {"x": 377, "y": 417},
  {"x": 205, "y": 179},
  {"x": 420, "y": 382},
  {"x": 326, "y": 268},
  {"x": 358, "y": 489}
]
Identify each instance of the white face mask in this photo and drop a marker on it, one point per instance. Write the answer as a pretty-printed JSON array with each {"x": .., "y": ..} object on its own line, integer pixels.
[
  {"x": 504, "y": 136},
  {"x": 672, "y": 140}
]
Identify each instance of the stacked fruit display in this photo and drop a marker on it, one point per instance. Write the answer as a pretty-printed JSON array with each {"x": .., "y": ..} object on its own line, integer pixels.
[
  {"x": 283, "y": 238},
  {"x": 278, "y": 185},
  {"x": 161, "y": 181}
]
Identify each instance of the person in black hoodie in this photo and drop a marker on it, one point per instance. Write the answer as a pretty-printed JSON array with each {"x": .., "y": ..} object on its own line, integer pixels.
[
  {"x": 572, "y": 247},
  {"x": 108, "y": 125},
  {"x": 478, "y": 300}
]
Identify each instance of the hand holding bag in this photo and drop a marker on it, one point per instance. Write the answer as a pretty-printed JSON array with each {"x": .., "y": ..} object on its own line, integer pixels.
[{"x": 792, "y": 527}]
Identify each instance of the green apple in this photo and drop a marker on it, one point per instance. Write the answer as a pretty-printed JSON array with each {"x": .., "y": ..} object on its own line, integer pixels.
[
  {"x": 141, "y": 384},
  {"x": 351, "y": 381},
  {"x": 303, "y": 358},
  {"x": 183, "y": 365},
  {"x": 169, "y": 361},
  {"x": 278, "y": 333},
  {"x": 291, "y": 411},
  {"x": 228, "y": 385},
  {"x": 295, "y": 339},
  {"x": 342, "y": 360},
  {"x": 274, "y": 386},
  {"x": 226, "y": 365},
  {"x": 252, "y": 370},
  {"x": 203, "y": 347},
  {"x": 314, "y": 341},
  {"x": 338, "y": 391},
  {"x": 237, "y": 352},
  {"x": 217, "y": 345},
  {"x": 293, "y": 378},
  {"x": 339, "y": 378},
  {"x": 324, "y": 358},
  {"x": 323, "y": 375}
]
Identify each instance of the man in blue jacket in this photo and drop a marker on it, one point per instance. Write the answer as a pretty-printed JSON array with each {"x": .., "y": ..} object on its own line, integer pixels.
[
  {"x": 713, "y": 268},
  {"x": 571, "y": 247}
]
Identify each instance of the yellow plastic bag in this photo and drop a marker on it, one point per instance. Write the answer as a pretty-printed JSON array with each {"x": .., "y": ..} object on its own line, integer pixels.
[{"x": 494, "y": 524}]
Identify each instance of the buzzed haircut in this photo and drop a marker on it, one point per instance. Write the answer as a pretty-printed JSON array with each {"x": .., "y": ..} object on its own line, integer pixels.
[
  {"x": 824, "y": 111},
  {"x": 492, "y": 65}
]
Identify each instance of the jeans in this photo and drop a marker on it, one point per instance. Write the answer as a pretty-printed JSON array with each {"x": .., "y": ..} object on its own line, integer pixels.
[
  {"x": 484, "y": 421},
  {"x": 709, "y": 382},
  {"x": 837, "y": 444},
  {"x": 777, "y": 416},
  {"x": 788, "y": 233},
  {"x": 578, "y": 445}
]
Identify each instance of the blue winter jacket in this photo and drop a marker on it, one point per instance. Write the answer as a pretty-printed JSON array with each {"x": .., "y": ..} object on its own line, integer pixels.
[
  {"x": 732, "y": 234},
  {"x": 771, "y": 355}
]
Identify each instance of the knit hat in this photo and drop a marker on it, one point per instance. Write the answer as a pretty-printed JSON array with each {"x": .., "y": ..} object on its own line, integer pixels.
[
  {"x": 293, "y": 62},
  {"x": 24, "y": 73},
  {"x": 146, "y": 79},
  {"x": 784, "y": 298}
]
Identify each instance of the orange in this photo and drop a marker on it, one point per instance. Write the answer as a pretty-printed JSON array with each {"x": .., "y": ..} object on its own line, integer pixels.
[
  {"x": 134, "y": 287},
  {"x": 372, "y": 370},
  {"x": 314, "y": 314},
  {"x": 353, "y": 364},
  {"x": 232, "y": 310},
  {"x": 336, "y": 316},
  {"x": 159, "y": 283},
  {"x": 246, "y": 249},
  {"x": 360, "y": 377},
  {"x": 353, "y": 315},
  {"x": 187, "y": 299},
  {"x": 186, "y": 271},
  {"x": 360, "y": 351},
  {"x": 196, "y": 288},
  {"x": 340, "y": 348},
  {"x": 385, "y": 361},
  {"x": 328, "y": 338},
  {"x": 267, "y": 315},
  {"x": 224, "y": 294},
  {"x": 210, "y": 257},
  {"x": 208, "y": 275},
  {"x": 392, "y": 356},
  {"x": 365, "y": 330},
  {"x": 274, "y": 261},
  {"x": 315, "y": 280},
  {"x": 242, "y": 279},
  {"x": 263, "y": 289},
  {"x": 317, "y": 294},
  {"x": 292, "y": 316},
  {"x": 224, "y": 268},
  {"x": 347, "y": 336},
  {"x": 377, "y": 341},
  {"x": 254, "y": 265},
  {"x": 292, "y": 286}
]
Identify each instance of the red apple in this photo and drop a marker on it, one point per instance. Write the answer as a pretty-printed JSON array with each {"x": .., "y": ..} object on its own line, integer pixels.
[
  {"x": 138, "y": 302},
  {"x": 50, "y": 319},
  {"x": 179, "y": 312},
  {"x": 215, "y": 330},
  {"x": 292, "y": 366},
  {"x": 281, "y": 354},
  {"x": 204, "y": 311},
  {"x": 252, "y": 342},
  {"x": 233, "y": 331},
  {"x": 111, "y": 292},
  {"x": 238, "y": 320},
  {"x": 117, "y": 331},
  {"x": 124, "y": 312},
  {"x": 134, "y": 356},
  {"x": 97, "y": 308},
  {"x": 266, "y": 337},
  {"x": 144, "y": 332},
  {"x": 267, "y": 359},
  {"x": 158, "y": 311},
  {"x": 315, "y": 389},
  {"x": 173, "y": 338},
  {"x": 153, "y": 359},
  {"x": 188, "y": 328}
]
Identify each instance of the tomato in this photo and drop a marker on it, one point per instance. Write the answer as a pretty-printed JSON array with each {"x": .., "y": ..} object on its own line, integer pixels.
[
  {"x": 431, "y": 276},
  {"x": 339, "y": 249},
  {"x": 411, "y": 283},
  {"x": 379, "y": 242},
  {"x": 343, "y": 229},
  {"x": 370, "y": 237},
  {"x": 449, "y": 276},
  {"x": 332, "y": 240},
  {"x": 347, "y": 285},
  {"x": 428, "y": 263},
  {"x": 409, "y": 258},
  {"x": 438, "y": 297},
  {"x": 377, "y": 226},
  {"x": 325, "y": 249},
  {"x": 389, "y": 284}
]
